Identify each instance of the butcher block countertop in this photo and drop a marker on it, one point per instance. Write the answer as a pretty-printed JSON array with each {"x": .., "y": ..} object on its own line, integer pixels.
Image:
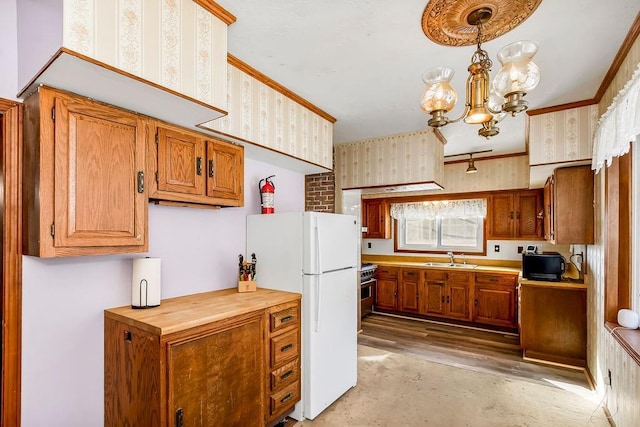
[
  {"x": 569, "y": 284},
  {"x": 189, "y": 311}
]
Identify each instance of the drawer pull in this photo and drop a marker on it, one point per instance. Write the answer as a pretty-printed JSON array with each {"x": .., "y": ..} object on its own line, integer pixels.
[
  {"x": 286, "y": 348},
  {"x": 286, "y": 319},
  {"x": 289, "y": 396},
  {"x": 286, "y": 374}
]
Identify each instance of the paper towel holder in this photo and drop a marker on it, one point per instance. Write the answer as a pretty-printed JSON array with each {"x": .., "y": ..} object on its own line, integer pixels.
[{"x": 145, "y": 292}]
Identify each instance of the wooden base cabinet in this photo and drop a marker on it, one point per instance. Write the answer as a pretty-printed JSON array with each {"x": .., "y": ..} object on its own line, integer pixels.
[
  {"x": 495, "y": 299},
  {"x": 218, "y": 358},
  {"x": 84, "y": 177},
  {"x": 387, "y": 288},
  {"x": 447, "y": 294}
]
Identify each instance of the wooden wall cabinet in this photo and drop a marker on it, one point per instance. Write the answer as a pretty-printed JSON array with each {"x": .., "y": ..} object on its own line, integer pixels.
[
  {"x": 190, "y": 167},
  {"x": 376, "y": 217},
  {"x": 516, "y": 215},
  {"x": 218, "y": 358},
  {"x": 387, "y": 288},
  {"x": 568, "y": 206},
  {"x": 83, "y": 181},
  {"x": 495, "y": 299}
]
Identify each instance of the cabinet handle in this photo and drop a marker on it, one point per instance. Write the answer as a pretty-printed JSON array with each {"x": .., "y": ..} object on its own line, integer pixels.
[
  {"x": 289, "y": 396},
  {"x": 286, "y": 319},
  {"x": 518, "y": 215},
  {"x": 286, "y": 348},
  {"x": 443, "y": 299},
  {"x": 448, "y": 299},
  {"x": 475, "y": 302},
  {"x": 511, "y": 215},
  {"x": 286, "y": 374},
  {"x": 140, "y": 182},
  {"x": 210, "y": 168},
  {"x": 199, "y": 165},
  {"x": 179, "y": 413}
]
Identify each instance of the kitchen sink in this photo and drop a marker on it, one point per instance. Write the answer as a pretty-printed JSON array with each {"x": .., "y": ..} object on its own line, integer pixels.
[{"x": 449, "y": 265}]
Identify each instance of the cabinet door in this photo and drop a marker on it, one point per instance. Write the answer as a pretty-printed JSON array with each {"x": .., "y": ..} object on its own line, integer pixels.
[
  {"x": 458, "y": 300},
  {"x": 180, "y": 162},
  {"x": 501, "y": 216},
  {"x": 225, "y": 170},
  {"x": 548, "y": 210},
  {"x": 495, "y": 304},
  {"x": 529, "y": 215},
  {"x": 211, "y": 386},
  {"x": 387, "y": 293},
  {"x": 434, "y": 302},
  {"x": 375, "y": 217},
  {"x": 99, "y": 154},
  {"x": 410, "y": 290}
]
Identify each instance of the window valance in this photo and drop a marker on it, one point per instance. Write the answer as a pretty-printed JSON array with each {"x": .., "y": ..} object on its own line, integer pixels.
[
  {"x": 619, "y": 125},
  {"x": 470, "y": 208}
]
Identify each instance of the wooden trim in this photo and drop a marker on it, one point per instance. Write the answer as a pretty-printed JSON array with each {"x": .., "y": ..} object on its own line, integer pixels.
[
  {"x": 561, "y": 107},
  {"x": 481, "y": 159},
  {"x": 398, "y": 185},
  {"x": 632, "y": 35},
  {"x": 629, "y": 339},
  {"x": 216, "y": 10},
  {"x": 184, "y": 204},
  {"x": 246, "y": 68},
  {"x": 11, "y": 117},
  {"x": 578, "y": 162}
]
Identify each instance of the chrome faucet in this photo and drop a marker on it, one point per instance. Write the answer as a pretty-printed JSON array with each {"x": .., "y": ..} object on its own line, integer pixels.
[{"x": 450, "y": 255}]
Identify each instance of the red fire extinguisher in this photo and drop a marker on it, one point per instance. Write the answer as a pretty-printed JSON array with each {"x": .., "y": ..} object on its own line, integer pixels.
[{"x": 267, "y": 195}]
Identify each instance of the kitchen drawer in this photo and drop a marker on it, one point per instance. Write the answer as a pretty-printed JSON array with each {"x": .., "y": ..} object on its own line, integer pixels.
[
  {"x": 435, "y": 275},
  {"x": 411, "y": 274},
  {"x": 387, "y": 272},
  {"x": 284, "y": 347},
  {"x": 284, "y": 398},
  {"x": 285, "y": 375},
  {"x": 496, "y": 279},
  {"x": 458, "y": 276},
  {"x": 284, "y": 318}
]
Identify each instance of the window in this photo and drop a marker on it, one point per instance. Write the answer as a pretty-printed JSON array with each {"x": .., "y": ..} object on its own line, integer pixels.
[{"x": 439, "y": 226}]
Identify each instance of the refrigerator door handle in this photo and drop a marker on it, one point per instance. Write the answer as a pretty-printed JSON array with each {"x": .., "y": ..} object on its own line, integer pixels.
[
  {"x": 318, "y": 303},
  {"x": 318, "y": 246}
]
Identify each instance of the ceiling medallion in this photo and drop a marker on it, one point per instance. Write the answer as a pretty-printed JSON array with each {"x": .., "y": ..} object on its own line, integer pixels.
[{"x": 446, "y": 21}]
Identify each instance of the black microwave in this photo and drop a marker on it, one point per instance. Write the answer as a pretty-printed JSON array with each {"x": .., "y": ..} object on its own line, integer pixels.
[{"x": 546, "y": 266}]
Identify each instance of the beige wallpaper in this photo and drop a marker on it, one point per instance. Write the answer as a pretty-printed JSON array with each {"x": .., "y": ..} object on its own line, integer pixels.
[
  {"x": 173, "y": 43},
  {"x": 264, "y": 116},
  {"x": 562, "y": 135},
  {"x": 603, "y": 352},
  {"x": 397, "y": 159}
]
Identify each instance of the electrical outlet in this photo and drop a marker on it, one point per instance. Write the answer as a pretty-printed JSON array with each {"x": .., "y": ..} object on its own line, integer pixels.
[
  {"x": 496, "y": 248},
  {"x": 369, "y": 245},
  {"x": 520, "y": 248}
]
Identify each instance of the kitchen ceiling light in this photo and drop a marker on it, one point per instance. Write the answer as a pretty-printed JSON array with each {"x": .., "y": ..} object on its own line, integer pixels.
[
  {"x": 472, "y": 166},
  {"x": 485, "y": 103}
]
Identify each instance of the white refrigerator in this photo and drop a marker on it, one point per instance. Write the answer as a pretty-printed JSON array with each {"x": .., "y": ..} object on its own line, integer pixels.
[{"x": 315, "y": 254}]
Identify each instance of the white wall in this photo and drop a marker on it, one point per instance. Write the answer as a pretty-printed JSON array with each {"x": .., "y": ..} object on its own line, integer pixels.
[
  {"x": 8, "y": 49},
  {"x": 64, "y": 299}
]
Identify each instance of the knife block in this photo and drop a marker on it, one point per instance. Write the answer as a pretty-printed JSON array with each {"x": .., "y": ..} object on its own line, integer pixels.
[{"x": 247, "y": 285}]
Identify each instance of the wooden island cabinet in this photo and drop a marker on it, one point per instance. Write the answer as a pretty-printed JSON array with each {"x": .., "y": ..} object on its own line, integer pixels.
[{"x": 216, "y": 358}]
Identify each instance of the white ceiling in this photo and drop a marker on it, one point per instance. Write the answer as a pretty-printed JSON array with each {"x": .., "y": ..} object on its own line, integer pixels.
[{"x": 362, "y": 60}]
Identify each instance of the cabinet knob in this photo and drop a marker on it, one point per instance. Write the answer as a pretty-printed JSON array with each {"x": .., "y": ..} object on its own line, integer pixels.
[{"x": 475, "y": 302}]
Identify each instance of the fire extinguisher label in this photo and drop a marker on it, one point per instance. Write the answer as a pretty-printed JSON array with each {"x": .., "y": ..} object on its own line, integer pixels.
[{"x": 268, "y": 200}]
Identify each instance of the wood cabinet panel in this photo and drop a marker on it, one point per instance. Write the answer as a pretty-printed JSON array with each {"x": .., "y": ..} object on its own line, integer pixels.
[
  {"x": 387, "y": 294},
  {"x": 495, "y": 305},
  {"x": 376, "y": 217},
  {"x": 516, "y": 215},
  {"x": 180, "y": 158},
  {"x": 196, "y": 365},
  {"x": 569, "y": 206},
  {"x": 83, "y": 178},
  {"x": 410, "y": 290},
  {"x": 434, "y": 302},
  {"x": 225, "y": 170},
  {"x": 458, "y": 300}
]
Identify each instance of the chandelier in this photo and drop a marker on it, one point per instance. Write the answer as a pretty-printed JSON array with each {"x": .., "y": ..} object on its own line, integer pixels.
[{"x": 486, "y": 103}]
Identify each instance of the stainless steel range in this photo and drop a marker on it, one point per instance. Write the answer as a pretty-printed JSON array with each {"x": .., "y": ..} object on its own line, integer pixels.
[{"x": 367, "y": 288}]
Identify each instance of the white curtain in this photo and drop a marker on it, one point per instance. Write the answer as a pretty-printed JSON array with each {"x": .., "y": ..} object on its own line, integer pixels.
[
  {"x": 619, "y": 125},
  {"x": 440, "y": 209}
]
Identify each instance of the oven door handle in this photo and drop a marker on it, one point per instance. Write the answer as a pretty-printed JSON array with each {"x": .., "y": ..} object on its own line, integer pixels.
[{"x": 366, "y": 282}]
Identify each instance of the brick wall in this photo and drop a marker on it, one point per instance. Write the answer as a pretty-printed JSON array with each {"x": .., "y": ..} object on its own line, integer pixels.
[{"x": 320, "y": 192}]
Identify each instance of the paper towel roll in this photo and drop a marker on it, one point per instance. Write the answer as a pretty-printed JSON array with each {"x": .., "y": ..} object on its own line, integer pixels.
[{"x": 145, "y": 283}]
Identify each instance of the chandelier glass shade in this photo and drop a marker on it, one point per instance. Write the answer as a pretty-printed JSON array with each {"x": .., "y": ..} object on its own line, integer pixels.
[{"x": 486, "y": 102}]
